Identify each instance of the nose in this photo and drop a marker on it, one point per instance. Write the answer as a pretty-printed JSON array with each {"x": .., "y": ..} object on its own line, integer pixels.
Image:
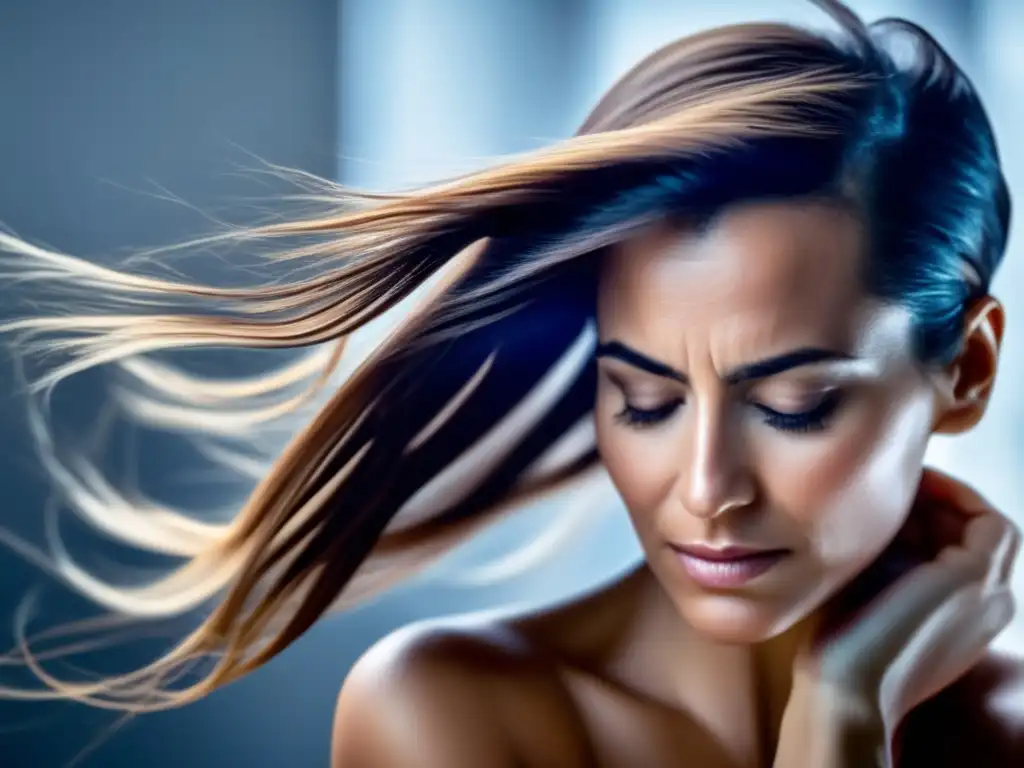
[{"x": 717, "y": 479}]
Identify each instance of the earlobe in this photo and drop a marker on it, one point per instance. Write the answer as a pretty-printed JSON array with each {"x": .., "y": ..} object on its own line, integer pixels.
[{"x": 968, "y": 381}]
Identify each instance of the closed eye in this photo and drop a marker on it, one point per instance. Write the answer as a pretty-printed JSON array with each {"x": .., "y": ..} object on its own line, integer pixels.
[
  {"x": 639, "y": 418},
  {"x": 812, "y": 419}
]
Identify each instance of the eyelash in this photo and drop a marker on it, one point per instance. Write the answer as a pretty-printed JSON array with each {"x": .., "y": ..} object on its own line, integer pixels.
[
  {"x": 641, "y": 418},
  {"x": 812, "y": 420}
]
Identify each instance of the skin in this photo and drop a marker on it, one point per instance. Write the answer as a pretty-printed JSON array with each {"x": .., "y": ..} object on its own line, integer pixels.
[{"x": 655, "y": 669}]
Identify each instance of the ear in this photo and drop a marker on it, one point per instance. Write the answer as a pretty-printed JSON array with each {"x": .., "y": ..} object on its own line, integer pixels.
[{"x": 965, "y": 385}]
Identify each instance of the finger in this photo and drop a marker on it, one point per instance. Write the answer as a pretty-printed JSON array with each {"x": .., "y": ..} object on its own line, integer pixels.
[
  {"x": 984, "y": 533},
  {"x": 939, "y": 524},
  {"x": 974, "y": 561},
  {"x": 914, "y": 545},
  {"x": 939, "y": 659},
  {"x": 943, "y": 507},
  {"x": 978, "y": 628},
  {"x": 1008, "y": 562},
  {"x": 846, "y": 606},
  {"x": 861, "y": 655},
  {"x": 995, "y": 541},
  {"x": 939, "y": 486}
]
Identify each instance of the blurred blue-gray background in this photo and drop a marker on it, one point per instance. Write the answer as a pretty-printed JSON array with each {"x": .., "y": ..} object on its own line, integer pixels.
[{"x": 107, "y": 105}]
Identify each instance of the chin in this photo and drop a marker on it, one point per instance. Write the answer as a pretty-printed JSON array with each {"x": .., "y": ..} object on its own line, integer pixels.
[{"x": 733, "y": 619}]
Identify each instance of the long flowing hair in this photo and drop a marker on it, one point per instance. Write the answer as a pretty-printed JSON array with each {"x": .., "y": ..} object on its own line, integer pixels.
[{"x": 478, "y": 399}]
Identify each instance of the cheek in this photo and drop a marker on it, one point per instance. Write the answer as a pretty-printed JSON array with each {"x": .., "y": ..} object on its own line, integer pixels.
[
  {"x": 850, "y": 492},
  {"x": 643, "y": 464}
]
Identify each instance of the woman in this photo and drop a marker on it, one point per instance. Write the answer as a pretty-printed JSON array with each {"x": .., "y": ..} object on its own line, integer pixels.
[{"x": 759, "y": 274}]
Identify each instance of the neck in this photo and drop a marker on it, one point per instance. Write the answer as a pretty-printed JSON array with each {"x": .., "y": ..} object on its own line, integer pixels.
[
  {"x": 738, "y": 693},
  {"x": 773, "y": 662}
]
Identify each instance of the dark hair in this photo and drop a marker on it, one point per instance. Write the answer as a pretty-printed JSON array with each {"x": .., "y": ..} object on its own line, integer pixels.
[{"x": 913, "y": 148}]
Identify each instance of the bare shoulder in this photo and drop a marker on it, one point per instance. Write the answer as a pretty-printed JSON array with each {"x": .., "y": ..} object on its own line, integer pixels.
[
  {"x": 977, "y": 721},
  {"x": 455, "y": 695}
]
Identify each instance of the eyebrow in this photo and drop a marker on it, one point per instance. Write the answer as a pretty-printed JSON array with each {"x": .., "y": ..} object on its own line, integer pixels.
[{"x": 761, "y": 369}]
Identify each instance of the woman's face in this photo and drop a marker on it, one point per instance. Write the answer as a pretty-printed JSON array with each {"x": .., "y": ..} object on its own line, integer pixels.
[{"x": 751, "y": 395}]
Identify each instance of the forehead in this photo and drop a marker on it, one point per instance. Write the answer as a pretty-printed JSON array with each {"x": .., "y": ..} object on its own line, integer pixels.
[{"x": 785, "y": 272}]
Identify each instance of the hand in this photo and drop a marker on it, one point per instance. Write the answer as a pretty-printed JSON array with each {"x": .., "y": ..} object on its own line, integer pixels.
[{"x": 933, "y": 622}]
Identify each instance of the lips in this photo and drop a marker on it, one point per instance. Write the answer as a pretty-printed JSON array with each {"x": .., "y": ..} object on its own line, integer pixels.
[
  {"x": 723, "y": 554},
  {"x": 723, "y": 568}
]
